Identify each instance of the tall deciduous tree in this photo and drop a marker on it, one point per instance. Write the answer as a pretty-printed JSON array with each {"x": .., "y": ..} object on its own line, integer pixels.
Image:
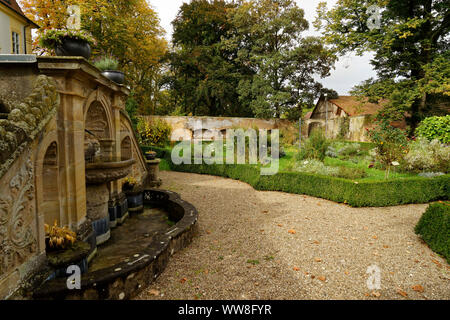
[
  {"x": 204, "y": 74},
  {"x": 411, "y": 43},
  {"x": 268, "y": 38},
  {"x": 128, "y": 30}
]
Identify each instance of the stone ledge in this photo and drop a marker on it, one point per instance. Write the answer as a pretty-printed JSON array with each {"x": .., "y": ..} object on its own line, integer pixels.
[{"x": 127, "y": 279}]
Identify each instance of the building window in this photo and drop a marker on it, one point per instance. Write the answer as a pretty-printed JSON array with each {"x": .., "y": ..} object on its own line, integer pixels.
[{"x": 15, "y": 43}]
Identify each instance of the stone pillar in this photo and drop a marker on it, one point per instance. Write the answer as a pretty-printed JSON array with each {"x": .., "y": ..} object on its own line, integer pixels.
[{"x": 71, "y": 133}]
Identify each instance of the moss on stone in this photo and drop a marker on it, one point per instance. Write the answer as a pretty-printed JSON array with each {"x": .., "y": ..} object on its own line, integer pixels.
[{"x": 72, "y": 255}]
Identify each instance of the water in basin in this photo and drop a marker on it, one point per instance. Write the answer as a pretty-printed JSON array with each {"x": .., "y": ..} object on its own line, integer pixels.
[{"x": 130, "y": 238}]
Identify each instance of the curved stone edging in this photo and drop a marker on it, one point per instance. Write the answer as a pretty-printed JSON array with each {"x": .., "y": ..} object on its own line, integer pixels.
[{"x": 128, "y": 278}]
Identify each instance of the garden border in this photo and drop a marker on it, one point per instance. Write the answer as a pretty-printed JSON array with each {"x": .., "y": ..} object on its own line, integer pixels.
[{"x": 356, "y": 194}]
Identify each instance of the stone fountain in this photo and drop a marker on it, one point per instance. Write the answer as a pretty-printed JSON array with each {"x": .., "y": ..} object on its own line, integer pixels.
[{"x": 103, "y": 170}]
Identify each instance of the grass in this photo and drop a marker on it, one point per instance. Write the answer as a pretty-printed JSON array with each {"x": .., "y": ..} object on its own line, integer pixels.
[{"x": 288, "y": 161}]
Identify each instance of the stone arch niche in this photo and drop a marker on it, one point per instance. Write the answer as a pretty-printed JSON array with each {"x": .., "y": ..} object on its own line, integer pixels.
[
  {"x": 50, "y": 186},
  {"x": 98, "y": 133},
  {"x": 126, "y": 149}
]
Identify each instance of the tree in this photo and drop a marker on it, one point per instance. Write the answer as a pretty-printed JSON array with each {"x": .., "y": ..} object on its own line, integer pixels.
[
  {"x": 204, "y": 74},
  {"x": 125, "y": 29},
  {"x": 411, "y": 51},
  {"x": 268, "y": 39}
]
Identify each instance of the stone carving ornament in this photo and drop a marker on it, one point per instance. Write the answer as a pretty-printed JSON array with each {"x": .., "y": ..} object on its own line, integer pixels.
[{"x": 17, "y": 240}]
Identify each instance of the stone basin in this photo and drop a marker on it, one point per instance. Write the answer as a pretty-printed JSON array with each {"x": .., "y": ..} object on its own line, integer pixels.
[{"x": 107, "y": 171}]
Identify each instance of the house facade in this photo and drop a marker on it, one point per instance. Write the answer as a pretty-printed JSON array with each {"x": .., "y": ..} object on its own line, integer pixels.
[
  {"x": 15, "y": 29},
  {"x": 346, "y": 117}
]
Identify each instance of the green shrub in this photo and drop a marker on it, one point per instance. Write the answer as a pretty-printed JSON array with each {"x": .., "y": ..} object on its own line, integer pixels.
[
  {"x": 428, "y": 156},
  {"x": 315, "y": 147},
  {"x": 317, "y": 167},
  {"x": 107, "y": 64},
  {"x": 434, "y": 228},
  {"x": 435, "y": 128},
  {"x": 390, "y": 143},
  {"x": 53, "y": 37},
  {"x": 351, "y": 173},
  {"x": 154, "y": 133}
]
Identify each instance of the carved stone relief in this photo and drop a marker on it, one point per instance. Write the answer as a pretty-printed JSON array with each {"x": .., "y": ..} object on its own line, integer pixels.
[
  {"x": 17, "y": 240},
  {"x": 96, "y": 121}
]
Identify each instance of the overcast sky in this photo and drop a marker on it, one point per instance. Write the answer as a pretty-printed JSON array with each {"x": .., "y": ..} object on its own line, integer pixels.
[{"x": 349, "y": 71}]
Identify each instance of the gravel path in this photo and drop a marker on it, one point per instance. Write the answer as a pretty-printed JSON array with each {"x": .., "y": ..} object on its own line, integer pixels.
[{"x": 272, "y": 245}]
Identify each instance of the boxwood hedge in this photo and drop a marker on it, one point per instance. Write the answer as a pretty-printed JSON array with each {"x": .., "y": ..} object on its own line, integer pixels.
[
  {"x": 357, "y": 194},
  {"x": 434, "y": 228}
]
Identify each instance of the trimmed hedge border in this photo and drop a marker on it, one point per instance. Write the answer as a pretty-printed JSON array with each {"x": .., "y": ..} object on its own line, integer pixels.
[
  {"x": 434, "y": 228},
  {"x": 356, "y": 194}
]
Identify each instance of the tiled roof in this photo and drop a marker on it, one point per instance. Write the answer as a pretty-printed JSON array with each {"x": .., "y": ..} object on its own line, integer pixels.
[
  {"x": 13, "y": 5},
  {"x": 355, "y": 107}
]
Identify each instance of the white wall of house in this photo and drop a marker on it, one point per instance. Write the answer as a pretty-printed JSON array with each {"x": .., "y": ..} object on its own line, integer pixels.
[{"x": 5, "y": 37}]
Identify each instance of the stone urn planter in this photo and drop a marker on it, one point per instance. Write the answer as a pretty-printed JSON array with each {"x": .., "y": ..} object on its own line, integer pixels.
[
  {"x": 114, "y": 75},
  {"x": 73, "y": 47},
  {"x": 150, "y": 155},
  {"x": 76, "y": 254},
  {"x": 135, "y": 200}
]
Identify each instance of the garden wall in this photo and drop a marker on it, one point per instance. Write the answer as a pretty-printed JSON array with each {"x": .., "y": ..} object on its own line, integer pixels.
[{"x": 188, "y": 127}]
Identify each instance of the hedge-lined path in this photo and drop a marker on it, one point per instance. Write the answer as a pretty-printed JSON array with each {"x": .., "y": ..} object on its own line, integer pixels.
[{"x": 272, "y": 245}]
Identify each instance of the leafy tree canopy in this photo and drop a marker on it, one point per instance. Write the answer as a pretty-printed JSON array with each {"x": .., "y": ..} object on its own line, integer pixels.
[
  {"x": 411, "y": 51},
  {"x": 128, "y": 30}
]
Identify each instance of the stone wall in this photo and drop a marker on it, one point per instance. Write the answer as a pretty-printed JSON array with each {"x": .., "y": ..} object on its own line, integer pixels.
[
  {"x": 32, "y": 104},
  {"x": 354, "y": 127},
  {"x": 185, "y": 128}
]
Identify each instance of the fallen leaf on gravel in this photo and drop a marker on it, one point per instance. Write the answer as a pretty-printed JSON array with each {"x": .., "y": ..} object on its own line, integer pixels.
[
  {"x": 375, "y": 237},
  {"x": 366, "y": 294},
  {"x": 280, "y": 225},
  {"x": 262, "y": 230},
  {"x": 346, "y": 272},
  {"x": 313, "y": 276},
  {"x": 402, "y": 293},
  {"x": 437, "y": 263},
  {"x": 316, "y": 242},
  {"x": 385, "y": 246},
  {"x": 265, "y": 211},
  {"x": 391, "y": 272},
  {"x": 306, "y": 273},
  {"x": 183, "y": 280},
  {"x": 296, "y": 269},
  {"x": 322, "y": 278},
  {"x": 376, "y": 294},
  {"x": 418, "y": 288},
  {"x": 153, "y": 292},
  {"x": 317, "y": 259},
  {"x": 292, "y": 231}
]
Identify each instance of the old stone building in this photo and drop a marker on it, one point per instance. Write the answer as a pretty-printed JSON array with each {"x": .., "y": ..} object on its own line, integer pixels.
[{"x": 345, "y": 117}]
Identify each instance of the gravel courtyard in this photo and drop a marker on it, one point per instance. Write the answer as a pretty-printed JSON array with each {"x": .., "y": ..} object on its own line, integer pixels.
[{"x": 273, "y": 245}]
